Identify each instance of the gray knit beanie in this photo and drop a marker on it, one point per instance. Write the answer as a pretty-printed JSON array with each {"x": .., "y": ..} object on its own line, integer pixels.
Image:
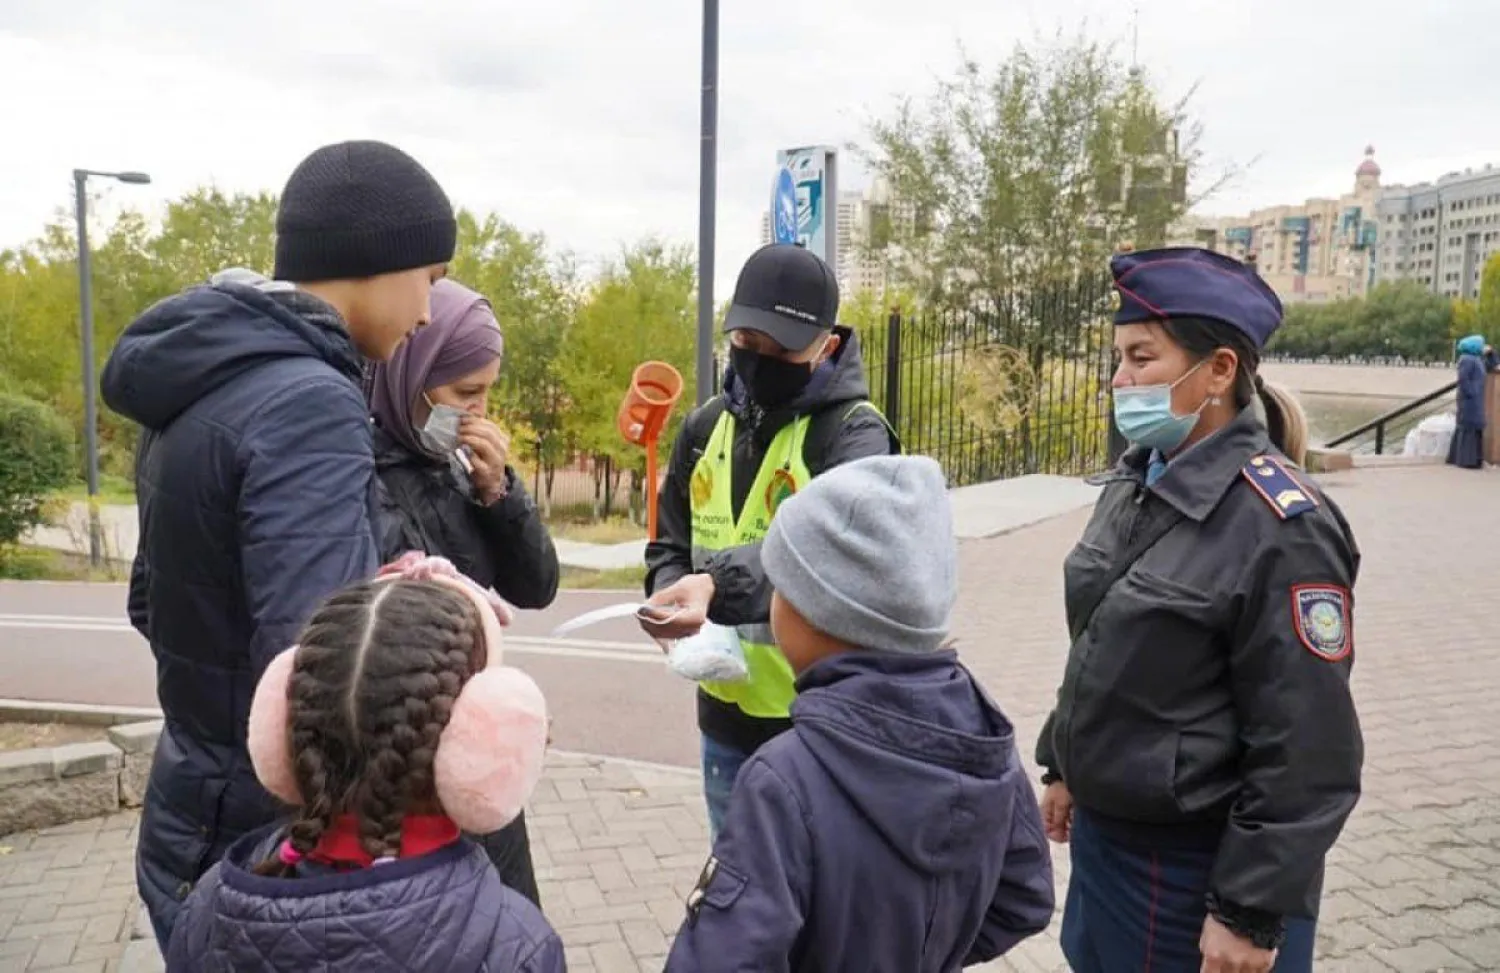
[{"x": 866, "y": 554}]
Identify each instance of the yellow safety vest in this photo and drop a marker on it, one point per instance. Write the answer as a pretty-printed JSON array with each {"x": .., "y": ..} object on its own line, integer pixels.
[{"x": 768, "y": 691}]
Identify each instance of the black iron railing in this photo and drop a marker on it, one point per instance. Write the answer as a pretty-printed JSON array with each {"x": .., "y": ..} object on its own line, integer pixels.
[
  {"x": 1024, "y": 389},
  {"x": 1395, "y": 422}
]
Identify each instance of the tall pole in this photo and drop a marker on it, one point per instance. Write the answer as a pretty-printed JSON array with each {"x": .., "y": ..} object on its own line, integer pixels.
[
  {"x": 707, "y": 193},
  {"x": 86, "y": 307}
]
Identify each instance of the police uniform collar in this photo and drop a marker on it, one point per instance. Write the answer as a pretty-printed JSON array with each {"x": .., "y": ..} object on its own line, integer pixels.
[{"x": 1197, "y": 479}]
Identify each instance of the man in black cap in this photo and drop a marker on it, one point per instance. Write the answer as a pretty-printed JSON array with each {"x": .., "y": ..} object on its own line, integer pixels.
[
  {"x": 795, "y": 404},
  {"x": 254, "y": 474}
]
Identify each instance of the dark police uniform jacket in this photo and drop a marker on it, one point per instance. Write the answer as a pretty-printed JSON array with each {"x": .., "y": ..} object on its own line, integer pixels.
[{"x": 1208, "y": 694}]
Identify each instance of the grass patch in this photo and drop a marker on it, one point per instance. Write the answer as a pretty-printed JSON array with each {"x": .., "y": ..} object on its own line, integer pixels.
[
  {"x": 27, "y": 736},
  {"x": 616, "y": 530},
  {"x": 113, "y": 490},
  {"x": 633, "y": 579},
  {"x": 26, "y": 563}
]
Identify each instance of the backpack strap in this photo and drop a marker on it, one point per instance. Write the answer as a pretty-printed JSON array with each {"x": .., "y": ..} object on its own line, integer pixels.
[
  {"x": 708, "y": 414},
  {"x": 827, "y": 424}
]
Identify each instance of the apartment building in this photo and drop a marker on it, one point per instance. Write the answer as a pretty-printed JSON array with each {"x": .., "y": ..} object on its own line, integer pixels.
[
  {"x": 1321, "y": 249},
  {"x": 1440, "y": 234}
]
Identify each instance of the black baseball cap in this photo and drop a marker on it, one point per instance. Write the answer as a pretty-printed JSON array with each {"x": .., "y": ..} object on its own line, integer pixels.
[{"x": 787, "y": 292}]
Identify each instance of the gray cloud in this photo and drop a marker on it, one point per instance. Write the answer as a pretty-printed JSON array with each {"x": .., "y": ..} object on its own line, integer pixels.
[{"x": 580, "y": 117}]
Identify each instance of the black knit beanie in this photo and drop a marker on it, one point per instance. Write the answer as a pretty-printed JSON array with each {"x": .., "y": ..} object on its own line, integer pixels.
[{"x": 359, "y": 209}]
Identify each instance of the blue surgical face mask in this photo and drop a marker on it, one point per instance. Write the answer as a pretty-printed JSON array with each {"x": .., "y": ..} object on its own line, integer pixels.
[{"x": 1143, "y": 414}]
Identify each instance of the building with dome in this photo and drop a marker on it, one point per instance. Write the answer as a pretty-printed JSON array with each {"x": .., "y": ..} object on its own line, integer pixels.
[
  {"x": 1321, "y": 249},
  {"x": 1440, "y": 234}
]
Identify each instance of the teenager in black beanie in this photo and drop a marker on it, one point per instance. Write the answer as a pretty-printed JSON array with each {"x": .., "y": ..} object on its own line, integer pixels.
[
  {"x": 254, "y": 474},
  {"x": 363, "y": 226}
]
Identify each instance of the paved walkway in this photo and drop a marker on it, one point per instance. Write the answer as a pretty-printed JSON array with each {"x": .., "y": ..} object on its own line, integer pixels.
[{"x": 1414, "y": 886}]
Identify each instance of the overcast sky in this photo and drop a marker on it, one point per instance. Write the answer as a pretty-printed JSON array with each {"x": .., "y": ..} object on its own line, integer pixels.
[{"x": 579, "y": 118}]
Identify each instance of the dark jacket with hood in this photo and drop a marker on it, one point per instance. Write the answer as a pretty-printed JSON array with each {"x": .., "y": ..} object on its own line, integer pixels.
[
  {"x": 742, "y": 595},
  {"x": 443, "y": 912},
  {"x": 254, "y": 483},
  {"x": 892, "y": 829},
  {"x": 504, "y": 546}
]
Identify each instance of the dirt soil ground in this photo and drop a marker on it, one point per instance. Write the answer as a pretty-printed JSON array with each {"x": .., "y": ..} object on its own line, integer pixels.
[{"x": 24, "y": 736}]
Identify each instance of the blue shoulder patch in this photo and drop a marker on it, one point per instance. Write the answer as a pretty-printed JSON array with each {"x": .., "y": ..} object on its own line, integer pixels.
[{"x": 1282, "y": 491}]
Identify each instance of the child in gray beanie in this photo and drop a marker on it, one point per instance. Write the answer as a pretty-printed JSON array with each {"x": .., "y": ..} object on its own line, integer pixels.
[{"x": 893, "y": 827}]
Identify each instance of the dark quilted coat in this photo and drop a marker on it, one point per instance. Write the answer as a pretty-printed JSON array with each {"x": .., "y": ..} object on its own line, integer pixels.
[
  {"x": 442, "y": 912},
  {"x": 254, "y": 481}
]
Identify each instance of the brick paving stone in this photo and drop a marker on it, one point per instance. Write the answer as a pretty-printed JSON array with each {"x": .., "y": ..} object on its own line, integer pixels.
[{"x": 1414, "y": 885}]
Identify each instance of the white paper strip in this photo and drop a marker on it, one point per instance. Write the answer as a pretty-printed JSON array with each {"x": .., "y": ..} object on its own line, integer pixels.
[{"x": 605, "y": 614}]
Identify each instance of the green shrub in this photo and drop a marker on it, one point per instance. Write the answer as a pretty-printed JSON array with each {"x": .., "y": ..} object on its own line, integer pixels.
[{"x": 36, "y": 458}]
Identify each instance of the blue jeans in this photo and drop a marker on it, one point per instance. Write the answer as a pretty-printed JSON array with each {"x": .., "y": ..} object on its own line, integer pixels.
[
  {"x": 721, "y": 765},
  {"x": 1141, "y": 910}
]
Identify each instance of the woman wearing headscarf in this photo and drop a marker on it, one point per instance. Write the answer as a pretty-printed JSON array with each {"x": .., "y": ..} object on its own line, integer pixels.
[
  {"x": 446, "y": 486},
  {"x": 1467, "y": 447}
]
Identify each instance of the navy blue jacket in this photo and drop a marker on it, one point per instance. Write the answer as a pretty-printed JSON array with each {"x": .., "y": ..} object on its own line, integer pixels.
[
  {"x": 443, "y": 912},
  {"x": 254, "y": 483},
  {"x": 891, "y": 829}
]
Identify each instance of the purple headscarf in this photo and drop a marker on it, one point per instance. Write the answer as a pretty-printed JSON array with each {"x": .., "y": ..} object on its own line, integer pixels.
[{"x": 462, "y": 338}]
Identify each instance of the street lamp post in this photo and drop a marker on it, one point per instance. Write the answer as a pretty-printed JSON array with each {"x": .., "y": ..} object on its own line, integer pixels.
[
  {"x": 707, "y": 191},
  {"x": 86, "y": 318}
]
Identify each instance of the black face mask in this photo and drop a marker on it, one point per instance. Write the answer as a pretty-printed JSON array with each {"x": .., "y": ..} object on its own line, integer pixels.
[{"x": 771, "y": 382}]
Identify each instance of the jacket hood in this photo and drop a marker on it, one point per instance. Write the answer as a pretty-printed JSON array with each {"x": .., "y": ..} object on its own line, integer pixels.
[
  {"x": 187, "y": 346},
  {"x": 840, "y": 379},
  {"x": 935, "y": 774}
]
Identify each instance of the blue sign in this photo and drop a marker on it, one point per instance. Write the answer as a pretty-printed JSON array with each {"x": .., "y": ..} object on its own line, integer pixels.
[{"x": 784, "y": 207}]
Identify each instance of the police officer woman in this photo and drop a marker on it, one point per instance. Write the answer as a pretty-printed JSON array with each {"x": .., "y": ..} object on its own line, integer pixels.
[{"x": 1204, "y": 751}]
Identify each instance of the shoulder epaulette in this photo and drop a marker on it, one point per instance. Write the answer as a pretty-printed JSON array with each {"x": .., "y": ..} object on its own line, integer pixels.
[{"x": 1281, "y": 490}]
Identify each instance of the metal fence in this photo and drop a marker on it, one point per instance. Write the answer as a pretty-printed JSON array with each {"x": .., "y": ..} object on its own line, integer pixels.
[
  {"x": 991, "y": 396},
  {"x": 583, "y": 489}
]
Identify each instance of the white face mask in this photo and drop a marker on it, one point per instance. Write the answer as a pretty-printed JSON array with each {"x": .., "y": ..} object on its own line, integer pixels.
[
  {"x": 439, "y": 433},
  {"x": 439, "y": 436}
]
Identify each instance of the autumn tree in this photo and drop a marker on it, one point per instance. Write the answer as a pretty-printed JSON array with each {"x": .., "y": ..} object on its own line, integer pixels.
[
  {"x": 530, "y": 289},
  {"x": 1488, "y": 317},
  {"x": 1022, "y": 176},
  {"x": 642, "y": 308}
]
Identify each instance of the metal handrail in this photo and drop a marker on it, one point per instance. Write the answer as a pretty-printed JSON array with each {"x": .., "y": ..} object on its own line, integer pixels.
[{"x": 1381, "y": 421}]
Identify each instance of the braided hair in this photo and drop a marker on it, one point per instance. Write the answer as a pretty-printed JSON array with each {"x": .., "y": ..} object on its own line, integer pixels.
[{"x": 376, "y": 674}]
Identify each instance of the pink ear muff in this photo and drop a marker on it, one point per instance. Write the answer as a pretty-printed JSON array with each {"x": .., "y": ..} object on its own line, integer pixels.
[
  {"x": 491, "y": 753},
  {"x": 269, "y": 732},
  {"x": 489, "y": 758}
]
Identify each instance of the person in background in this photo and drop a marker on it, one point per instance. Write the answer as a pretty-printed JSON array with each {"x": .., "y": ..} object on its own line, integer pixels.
[
  {"x": 446, "y": 486},
  {"x": 892, "y": 828},
  {"x": 1466, "y": 449},
  {"x": 254, "y": 474},
  {"x": 389, "y": 727},
  {"x": 1491, "y": 359},
  {"x": 1204, "y": 751},
  {"x": 795, "y": 405}
]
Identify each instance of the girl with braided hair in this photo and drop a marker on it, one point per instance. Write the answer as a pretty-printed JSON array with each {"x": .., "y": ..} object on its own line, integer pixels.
[{"x": 393, "y": 729}]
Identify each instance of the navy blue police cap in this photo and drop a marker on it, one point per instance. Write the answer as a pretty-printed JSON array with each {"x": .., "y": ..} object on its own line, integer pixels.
[{"x": 1190, "y": 282}]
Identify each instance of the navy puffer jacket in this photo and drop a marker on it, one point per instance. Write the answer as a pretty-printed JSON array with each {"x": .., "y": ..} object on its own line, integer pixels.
[
  {"x": 443, "y": 912},
  {"x": 254, "y": 479}
]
